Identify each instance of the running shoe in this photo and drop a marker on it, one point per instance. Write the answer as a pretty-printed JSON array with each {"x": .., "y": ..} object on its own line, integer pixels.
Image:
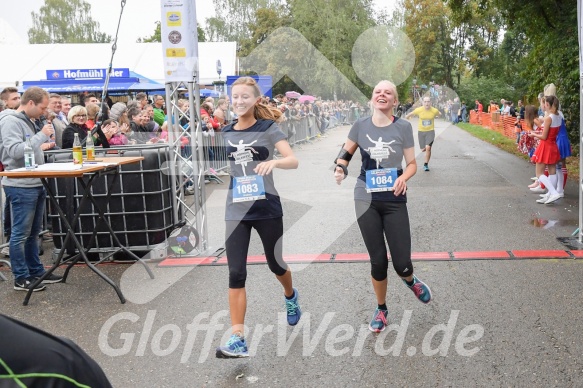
[
  {"x": 379, "y": 321},
  {"x": 236, "y": 347},
  {"x": 538, "y": 190},
  {"x": 292, "y": 307},
  {"x": 26, "y": 284},
  {"x": 420, "y": 289},
  {"x": 425, "y": 167},
  {"x": 51, "y": 279}
]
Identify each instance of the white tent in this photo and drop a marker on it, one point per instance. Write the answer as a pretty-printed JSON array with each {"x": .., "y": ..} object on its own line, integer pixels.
[{"x": 28, "y": 62}]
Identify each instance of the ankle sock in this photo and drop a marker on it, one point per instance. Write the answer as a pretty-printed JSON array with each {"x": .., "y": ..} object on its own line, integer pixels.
[
  {"x": 411, "y": 282},
  {"x": 383, "y": 306},
  {"x": 290, "y": 297}
]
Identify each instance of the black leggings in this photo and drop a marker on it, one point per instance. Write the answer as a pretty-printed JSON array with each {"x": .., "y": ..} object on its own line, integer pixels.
[
  {"x": 238, "y": 234},
  {"x": 378, "y": 219}
]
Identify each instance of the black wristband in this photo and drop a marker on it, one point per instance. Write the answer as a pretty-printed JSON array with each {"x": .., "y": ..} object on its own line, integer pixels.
[
  {"x": 344, "y": 169},
  {"x": 343, "y": 154}
]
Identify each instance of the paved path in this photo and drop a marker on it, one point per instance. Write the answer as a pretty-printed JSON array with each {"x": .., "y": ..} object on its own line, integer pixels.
[{"x": 492, "y": 323}]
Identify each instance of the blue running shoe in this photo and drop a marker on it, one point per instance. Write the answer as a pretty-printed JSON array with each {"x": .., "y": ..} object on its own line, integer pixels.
[
  {"x": 425, "y": 167},
  {"x": 292, "y": 307},
  {"x": 420, "y": 289},
  {"x": 379, "y": 321},
  {"x": 236, "y": 348}
]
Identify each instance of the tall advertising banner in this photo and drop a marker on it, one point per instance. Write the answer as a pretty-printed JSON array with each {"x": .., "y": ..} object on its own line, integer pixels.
[{"x": 179, "y": 40}]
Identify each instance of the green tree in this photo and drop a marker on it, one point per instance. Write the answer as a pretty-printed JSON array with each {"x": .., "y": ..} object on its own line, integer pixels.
[
  {"x": 157, "y": 35},
  {"x": 266, "y": 21},
  {"x": 428, "y": 26},
  {"x": 65, "y": 21},
  {"x": 548, "y": 29},
  {"x": 233, "y": 17},
  {"x": 332, "y": 26}
]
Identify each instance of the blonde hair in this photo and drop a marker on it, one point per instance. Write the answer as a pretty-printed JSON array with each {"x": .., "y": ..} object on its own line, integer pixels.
[
  {"x": 550, "y": 90},
  {"x": 392, "y": 85},
  {"x": 92, "y": 110},
  {"x": 75, "y": 111},
  {"x": 260, "y": 110}
]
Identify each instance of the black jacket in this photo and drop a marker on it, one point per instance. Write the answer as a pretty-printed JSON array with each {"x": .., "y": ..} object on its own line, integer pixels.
[{"x": 72, "y": 129}]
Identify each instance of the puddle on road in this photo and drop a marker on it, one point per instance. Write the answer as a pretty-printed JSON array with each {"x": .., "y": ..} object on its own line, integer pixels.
[{"x": 547, "y": 224}]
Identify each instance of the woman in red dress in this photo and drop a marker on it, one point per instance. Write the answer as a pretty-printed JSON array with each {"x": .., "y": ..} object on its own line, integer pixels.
[{"x": 547, "y": 154}]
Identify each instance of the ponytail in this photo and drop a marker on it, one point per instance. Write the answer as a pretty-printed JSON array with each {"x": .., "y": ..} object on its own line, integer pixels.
[{"x": 262, "y": 111}]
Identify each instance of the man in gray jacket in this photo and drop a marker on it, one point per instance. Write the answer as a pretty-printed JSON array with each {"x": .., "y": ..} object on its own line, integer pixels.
[{"x": 26, "y": 195}]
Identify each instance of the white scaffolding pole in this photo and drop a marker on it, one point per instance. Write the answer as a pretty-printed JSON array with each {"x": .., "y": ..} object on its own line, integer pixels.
[{"x": 180, "y": 53}]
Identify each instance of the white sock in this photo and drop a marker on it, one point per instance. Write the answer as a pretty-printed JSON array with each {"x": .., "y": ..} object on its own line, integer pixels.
[
  {"x": 553, "y": 178},
  {"x": 560, "y": 188},
  {"x": 545, "y": 180}
]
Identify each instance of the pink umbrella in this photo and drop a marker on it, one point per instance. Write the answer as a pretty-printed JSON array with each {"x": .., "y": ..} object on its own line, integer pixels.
[
  {"x": 305, "y": 98},
  {"x": 292, "y": 95}
]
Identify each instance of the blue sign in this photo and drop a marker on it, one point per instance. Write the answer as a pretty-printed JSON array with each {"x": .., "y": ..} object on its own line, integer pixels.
[
  {"x": 248, "y": 188},
  {"x": 86, "y": 74},
  {"x": 381, "y": 179}
]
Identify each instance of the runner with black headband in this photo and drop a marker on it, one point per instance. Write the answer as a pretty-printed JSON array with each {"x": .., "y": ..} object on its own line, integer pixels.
[{"x": 380, "y": 194}]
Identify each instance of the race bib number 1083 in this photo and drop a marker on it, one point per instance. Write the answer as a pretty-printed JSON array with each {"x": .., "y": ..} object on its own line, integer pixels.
[{"x": 248, "y": 188}]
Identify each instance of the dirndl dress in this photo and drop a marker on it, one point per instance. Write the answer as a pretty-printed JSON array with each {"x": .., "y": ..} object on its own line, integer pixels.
[
  {"x": 563, "y": 142},
  {"x": 547, "y": 151}
]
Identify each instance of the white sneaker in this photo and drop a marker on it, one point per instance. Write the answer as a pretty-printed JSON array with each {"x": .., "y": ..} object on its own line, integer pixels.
[
  {"x": 534, "y": 178},
  {"x": 538, "y": 190},
  {"x": 562, "y": 194},
  {"x": 544, "y": 199},
  {"x": 553, "y": 197},
  {"x": 5, "y": 251}
]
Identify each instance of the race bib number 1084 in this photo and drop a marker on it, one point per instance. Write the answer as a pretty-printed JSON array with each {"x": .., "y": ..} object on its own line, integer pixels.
[{"x": 381, "y": 179}]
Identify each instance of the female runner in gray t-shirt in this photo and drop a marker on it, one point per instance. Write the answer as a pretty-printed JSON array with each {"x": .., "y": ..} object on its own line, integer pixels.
[{"x": 380, "y": 194}]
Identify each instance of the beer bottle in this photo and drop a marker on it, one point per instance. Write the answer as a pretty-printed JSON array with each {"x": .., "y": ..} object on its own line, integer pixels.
[
  {"x": 90, "y": 147},
  {"x": 77, "y": 150}
]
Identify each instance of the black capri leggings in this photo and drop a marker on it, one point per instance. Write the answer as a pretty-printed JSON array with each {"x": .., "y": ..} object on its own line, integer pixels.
[
  {"x": 238, "y": 234},
  {"x": 378, "y": 219}
]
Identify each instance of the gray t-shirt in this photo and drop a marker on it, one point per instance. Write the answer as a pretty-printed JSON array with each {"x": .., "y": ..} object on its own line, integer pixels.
[
  {"x": 257, "y": 143},
  {"x": 393, "y": 139}
]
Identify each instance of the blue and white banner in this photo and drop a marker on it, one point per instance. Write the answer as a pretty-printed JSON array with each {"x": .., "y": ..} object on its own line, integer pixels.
[{"x": 86, "y": 74}]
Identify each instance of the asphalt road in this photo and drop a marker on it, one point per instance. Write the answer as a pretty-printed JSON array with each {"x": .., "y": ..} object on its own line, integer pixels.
[{"x": 492, "y": 322}]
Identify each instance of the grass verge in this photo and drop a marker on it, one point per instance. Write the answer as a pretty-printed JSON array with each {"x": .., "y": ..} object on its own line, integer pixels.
[{"x": 509, "y": 145}]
